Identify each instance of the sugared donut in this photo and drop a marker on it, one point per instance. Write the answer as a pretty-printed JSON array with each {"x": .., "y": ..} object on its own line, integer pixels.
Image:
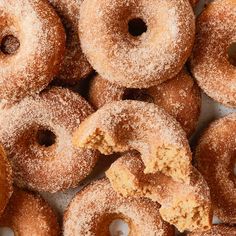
[
  {"x": 180, "y": 97},
  {"x": 217, "y": 230},
  {"x": 137, "y": 43},
  {"x": 5, "y": 180},
  {"x": 134, "y": 125},
  {"x": 75, "y": 65},
  {"x": 98, "y": 205},
  {"x": 210, "y": 63},
  {"x": 187, "y": 206},
  {"x": 32, "y": 44},
  {"x": 37, "y": 135},
  {"x": 215, "y": 159},
  {"x": 28, "y": 214}
]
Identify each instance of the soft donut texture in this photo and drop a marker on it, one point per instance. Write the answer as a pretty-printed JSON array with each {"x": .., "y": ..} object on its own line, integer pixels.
[
  {"x": 134, "y": 125},
  {"x": 137, "y": 61},
  {"x": 217, "y": 230},
  {"x": 215, "y": 159},
  {"x": 180, "y": 97},
  {"x": 210, "y": 65},
  {"x": 187, "y": 206},
  {"x": 37, "y": 136},
  {"x": 5, "y": 180},
  {"x": 75, "y": 65},
  {"x": 28, "y": 214},
  {"x": 94, "y": 208},
  {"x": 42, "y": 43}
]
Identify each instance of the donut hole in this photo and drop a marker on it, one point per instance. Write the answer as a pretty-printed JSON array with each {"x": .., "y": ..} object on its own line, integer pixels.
[
  {"x": 5, "y": 231},
  {"x": 45, "y": 138},
  {"x": 10, "y": 44},
  {"x": 232, "y": 54},
  {"x": 138, "y": 95},
  {"x": 137, "y": 27},
  {"x": 119, "y": 227}
]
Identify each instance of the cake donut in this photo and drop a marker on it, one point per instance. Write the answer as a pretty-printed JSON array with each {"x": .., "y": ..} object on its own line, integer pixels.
[
  {"x": 217, "y": 230},
  {"x": 83, "y": 217},
  {"x": 5, "y": 180},
  {"x": 137, "y": 43},
  {"x": 32, "y": 45},
  {"x": 37, "y": 136},
  {"x": 75, "y": 65},
  {"x": 187, "y": 206},
  {"x": 180, "y": 97},
  {"x": 134, "y": 125},
  {"x": 28, "y": 214},
  {"x": 215, "y": 159},
  {"x": 210, "y": 63}
]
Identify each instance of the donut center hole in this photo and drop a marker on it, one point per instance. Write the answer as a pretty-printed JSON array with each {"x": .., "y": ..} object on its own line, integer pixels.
[
  {"x": 10, "y": 44},
  {"x": 137, "y": 27},
  {"x": 5, "y": 231},
  {"x": 232, "y": 54},
  {"x": 46, "y": 138},
  {"x": 138, "y": 95},
  {"x": 119, "y": 227}
]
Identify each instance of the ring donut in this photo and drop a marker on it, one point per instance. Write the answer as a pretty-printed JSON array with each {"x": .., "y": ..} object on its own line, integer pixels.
[
  {"x": 187, "y": 206},
  {"x": 5, "y": 180},
  {"x": 137, "y": 43},
  {"x": 134, "y": 125},
  {"x": 83, "y": 217},
  {"x": 37, "y": 136},
  {"x": 180, "y": 97},
  {"x": 215, "y": 159},
  {"x": 28, "y": 214},
  {"x": 75, "y": 65},
  {"x": 210, "y": 63}
]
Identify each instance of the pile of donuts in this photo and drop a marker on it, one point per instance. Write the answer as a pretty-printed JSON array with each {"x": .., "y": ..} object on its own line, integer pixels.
[{"x": 86, "y": 80}]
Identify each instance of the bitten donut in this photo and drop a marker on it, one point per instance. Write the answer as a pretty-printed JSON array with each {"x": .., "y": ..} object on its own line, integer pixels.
[
  {"x": 37, "y": 136},
  {"x": 5, "y": 180},
  {"x": 98, "y": 205},
  {"x": 32, "y": 44},
  {"x": 215, "y": 159},
  {"x": 180, "y": 97},
  {"x": 217, "y": 230},
  {"x": 137, "y": 43},
  {"x": 134, "y": 125},
  {"x": 187, "y": 206},
  {"x": 28, "y": 214},
  {"x": 210, "y": 63},
  {"x": 75, "y": 65}
]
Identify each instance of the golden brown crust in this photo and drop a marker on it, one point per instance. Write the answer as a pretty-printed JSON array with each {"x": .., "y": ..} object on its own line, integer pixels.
[
  {"x": 94, "y": 208},
  {"x": 28, "y": 214},
  {"x": 215, "y": 159},
  {"x": 37, "y": 165},
  {"x": 137, "y": 62},
  {"x": 5, "y": 180},
  {"x": 180, "y": 97}
]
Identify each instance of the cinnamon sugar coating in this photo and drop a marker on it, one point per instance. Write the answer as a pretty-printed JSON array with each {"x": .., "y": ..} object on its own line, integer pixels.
[
  {"x": 137, "y": 61},
  {"x": 38, "y": 162},
  {"x": 28, "y": 214},
  {"x": 215, "y": 159},
  {"x": 93, "y": 209}
]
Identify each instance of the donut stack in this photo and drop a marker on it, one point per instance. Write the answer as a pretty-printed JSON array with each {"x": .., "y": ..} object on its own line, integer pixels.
[{"x": 85, "y": 79}]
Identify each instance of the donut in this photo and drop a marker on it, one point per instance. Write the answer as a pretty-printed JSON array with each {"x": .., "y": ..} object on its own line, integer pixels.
[
  {"x": 134, "y": 125},
  {"x": 180, "y": 97},
  {"x": 75, "y": 65},
  {"x": 137, "y": 43},
  {"x": 37, "y": 135},
  {"x": 215, "y": 159},
  {"x": 28, "y": 214},
  {"x": 84, "y": 217},
  {"x": 210, "y": 63},
  {"x": 217, "y": 230},
  {"x": 32, "y": 45},
  {"x": 5, "y": 180},
  {"x": 187, "y": 206}
]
